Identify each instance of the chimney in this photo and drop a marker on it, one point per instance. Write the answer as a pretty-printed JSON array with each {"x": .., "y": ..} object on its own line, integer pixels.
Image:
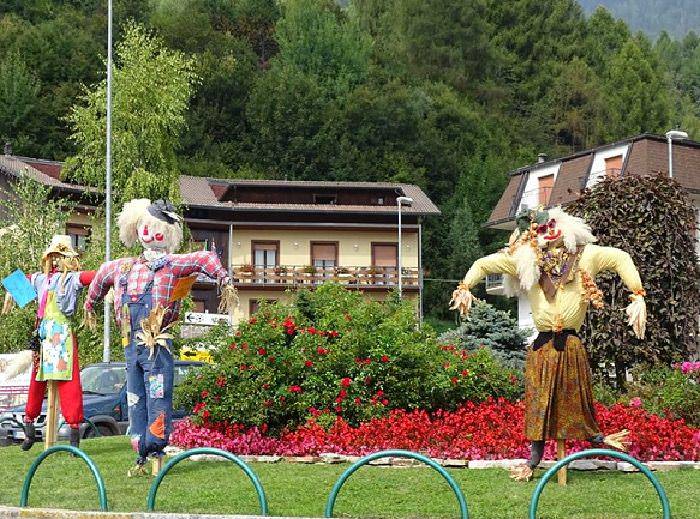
[
  {"x": 8, "y": 149},
  {"x": 542, "y": 157}
]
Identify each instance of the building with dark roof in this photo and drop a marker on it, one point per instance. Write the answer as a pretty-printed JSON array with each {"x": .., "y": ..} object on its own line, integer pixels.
[{"x": 279, "y": 235}]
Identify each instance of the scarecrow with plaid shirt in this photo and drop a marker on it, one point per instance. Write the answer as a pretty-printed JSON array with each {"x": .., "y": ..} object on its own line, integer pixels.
[{"x": 145, "y": 309}]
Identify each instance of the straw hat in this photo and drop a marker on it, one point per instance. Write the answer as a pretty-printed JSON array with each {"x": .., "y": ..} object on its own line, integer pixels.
[{"x": 60, "y": 244}]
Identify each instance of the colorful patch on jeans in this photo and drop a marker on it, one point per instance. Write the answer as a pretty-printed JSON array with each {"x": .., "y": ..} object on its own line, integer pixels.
[
  {"x": 155, "y": 386},
  {"x": 157, "y": 428},
  {"x": 131, "y": 398}
]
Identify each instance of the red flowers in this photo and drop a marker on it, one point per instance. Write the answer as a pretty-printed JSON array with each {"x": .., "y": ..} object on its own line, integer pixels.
[
  {"x": 322, "y": 351},
  {"x": 221, "y": 381},
  {"x": 345, "y": 382},
  {"x": 295, "y": 389},
  {"x": 308, "y": 363},
  {"x": 205, "y": 394},
  {"x": 262, "y": 351},
  {"x": 252, "y": 320},
  {"x": 384, "y": 358},
  {"x": 489, "y": 430}
]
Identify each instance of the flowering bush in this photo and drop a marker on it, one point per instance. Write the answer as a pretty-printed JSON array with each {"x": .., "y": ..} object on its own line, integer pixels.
[
  {"x": 492, "y": 429},
  {"x": 688, "y": 367},
  {"x": 332, "y": 353},
  {"x": 671, "y": 391}
]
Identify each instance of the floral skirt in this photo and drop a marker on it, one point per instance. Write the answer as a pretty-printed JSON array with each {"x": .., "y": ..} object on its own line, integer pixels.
[{"x": 558, "y": 393}]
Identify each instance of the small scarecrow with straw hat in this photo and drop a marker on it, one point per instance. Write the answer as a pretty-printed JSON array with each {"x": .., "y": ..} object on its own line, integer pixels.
[
  {"x": 147, "y": 294},
  {"x": 53, "y": 347},
  {"x": 552, "y": 260}
]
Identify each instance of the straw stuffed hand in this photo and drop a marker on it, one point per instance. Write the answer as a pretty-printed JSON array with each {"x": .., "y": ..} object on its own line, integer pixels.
[
  {"x": 152, "y": 333},
  {"x": 462, "y": 299},
  {"x": 637, "y": 315}
]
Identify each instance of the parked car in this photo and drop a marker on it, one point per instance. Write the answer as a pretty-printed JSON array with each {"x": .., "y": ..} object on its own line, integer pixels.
[{"x": 104, "y": 404}]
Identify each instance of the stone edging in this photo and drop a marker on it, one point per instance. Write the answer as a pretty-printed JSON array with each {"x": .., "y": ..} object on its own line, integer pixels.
[{"x": 333, "y": 459}]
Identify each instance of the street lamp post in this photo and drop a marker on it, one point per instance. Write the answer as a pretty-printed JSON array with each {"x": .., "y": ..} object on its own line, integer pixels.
[
  {"x": 108, "y": 190},
  {"x": 400, "y": 201},
  {"x": 670, "y": 137}
]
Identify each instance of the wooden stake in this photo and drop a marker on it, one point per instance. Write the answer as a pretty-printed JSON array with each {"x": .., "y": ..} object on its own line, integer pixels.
[
  {"x": 561, "y": 454},
  {"x": 51, "y": 424},
  {"x": 156, "y": 465}
]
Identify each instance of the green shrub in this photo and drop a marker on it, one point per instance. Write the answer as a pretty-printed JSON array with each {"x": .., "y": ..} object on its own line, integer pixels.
[
  {"x": 331, "y": 349},
  {"x": 663, "y": 389},
  {"x": 486, "y": 326}
]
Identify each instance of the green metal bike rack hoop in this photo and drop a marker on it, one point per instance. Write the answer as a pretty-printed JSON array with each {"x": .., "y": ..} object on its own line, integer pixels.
[
  {"x": 534, "y": 501},
  {"x": 330, "y": 504},
  {"x": 24, "y": 496},
  {"x": 262, "y": 500}
]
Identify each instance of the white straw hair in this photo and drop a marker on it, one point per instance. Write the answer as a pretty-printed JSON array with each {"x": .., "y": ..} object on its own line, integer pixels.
[
  {"x": 575, "y": 231},
  {"x": 134, "y": 213}
]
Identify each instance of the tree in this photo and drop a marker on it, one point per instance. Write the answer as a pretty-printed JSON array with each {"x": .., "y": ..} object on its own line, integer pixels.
[
  {"x": 653, "y": 220},
  {"x": 637, "y": 92},
  {"x": 19, "y": 91},
  {"x": 152, "y": 89},
  {"x": 486, "y": 326}
]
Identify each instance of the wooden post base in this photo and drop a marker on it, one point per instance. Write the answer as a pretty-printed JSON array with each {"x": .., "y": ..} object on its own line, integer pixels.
[
  {"x": 51, "y": 425},
  {"x": 156, "y": 465},
  {"x": 561, "y": 454}
]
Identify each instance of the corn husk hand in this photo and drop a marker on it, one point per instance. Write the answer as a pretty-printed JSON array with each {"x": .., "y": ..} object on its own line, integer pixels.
[
  {"x": 462, "y": 299},
  {"x": 618, "y": 440},
  {"x": 229, "y": 299},
  {"x": 637, "y": 315},
  {"x": 89, "y": 319},
  {"x": 153, "y": 334},
  {"x": 8, "y": 304}
]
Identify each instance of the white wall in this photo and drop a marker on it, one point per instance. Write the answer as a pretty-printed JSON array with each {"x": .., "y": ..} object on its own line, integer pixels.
[
  {"x": 598, "y": 167},
  {"x": 531, "y": 194}
]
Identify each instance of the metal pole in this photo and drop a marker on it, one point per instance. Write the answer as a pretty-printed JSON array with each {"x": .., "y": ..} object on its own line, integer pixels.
[
  {"x": 670, "y": 156},
  {"x": 398, "y": 201},
  {"x": 420, "y": 272},
  {"x": 108, "y": 191}
]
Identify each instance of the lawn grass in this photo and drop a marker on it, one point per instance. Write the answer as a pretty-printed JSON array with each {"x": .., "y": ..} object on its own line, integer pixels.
[{"x": 302, "y": 490}]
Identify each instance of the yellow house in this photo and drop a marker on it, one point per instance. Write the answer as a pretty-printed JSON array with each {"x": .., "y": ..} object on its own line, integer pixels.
[{"x": 276, "y": 236}]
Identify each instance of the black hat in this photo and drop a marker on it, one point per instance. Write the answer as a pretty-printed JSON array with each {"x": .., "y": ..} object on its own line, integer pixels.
[{"x": 164, "y": 210}]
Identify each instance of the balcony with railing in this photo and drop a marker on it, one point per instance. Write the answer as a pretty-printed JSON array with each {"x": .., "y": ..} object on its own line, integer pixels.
[{"x": 288, "y": 276}]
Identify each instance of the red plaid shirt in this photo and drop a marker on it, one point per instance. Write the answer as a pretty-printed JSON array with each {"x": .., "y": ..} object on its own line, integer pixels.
[{"x": 138, "y": 274}]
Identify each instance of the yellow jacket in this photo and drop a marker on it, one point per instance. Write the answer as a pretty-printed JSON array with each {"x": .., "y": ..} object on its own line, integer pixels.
[{"x": 568, "y": 309}]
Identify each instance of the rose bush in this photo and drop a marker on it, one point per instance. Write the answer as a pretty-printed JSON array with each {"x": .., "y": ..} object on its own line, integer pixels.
[
  {"x": 331, "y": 353},
  {"x": 492, "y": 429}
]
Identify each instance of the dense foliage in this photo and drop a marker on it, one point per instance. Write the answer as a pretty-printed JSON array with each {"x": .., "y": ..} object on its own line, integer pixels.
[
  {"x": 448, "y": 95},
  {"x": 653, "y": 220},
  {"x": 493, "y": 429},
  {"x": 667, "y": 390},
  {"x": 332, "y": 353},
  {"x": 486, "y": 326}
]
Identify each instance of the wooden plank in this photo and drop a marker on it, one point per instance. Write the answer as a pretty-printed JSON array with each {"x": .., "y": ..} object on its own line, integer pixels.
[
  {"x": 51, "y": 424},
  {"x": 561, "y": 454}
]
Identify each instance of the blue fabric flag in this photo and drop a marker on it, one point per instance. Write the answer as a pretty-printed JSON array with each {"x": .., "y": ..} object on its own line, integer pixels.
[{"x": 19, "y": 288}]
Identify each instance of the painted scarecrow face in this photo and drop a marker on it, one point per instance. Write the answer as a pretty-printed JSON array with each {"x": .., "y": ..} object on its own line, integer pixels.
[
  {"x": 151, "y": 235},
  {"x": 549, "y": 234}
]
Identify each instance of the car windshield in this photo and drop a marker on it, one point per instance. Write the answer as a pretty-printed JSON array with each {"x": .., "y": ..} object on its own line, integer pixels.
[{"x": 105, "y": 380}]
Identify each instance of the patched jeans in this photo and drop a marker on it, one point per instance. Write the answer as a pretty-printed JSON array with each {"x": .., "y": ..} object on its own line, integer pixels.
[{"x": 149, "y": 385}]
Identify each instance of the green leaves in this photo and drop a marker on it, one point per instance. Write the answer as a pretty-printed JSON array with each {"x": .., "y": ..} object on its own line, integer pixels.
[
  {"x": 653, "y": 220},
  {"x": 152, "y": 89}
]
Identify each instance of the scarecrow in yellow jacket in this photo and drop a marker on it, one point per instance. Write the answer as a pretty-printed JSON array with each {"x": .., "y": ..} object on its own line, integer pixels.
[{"x": 552, "y": 260}]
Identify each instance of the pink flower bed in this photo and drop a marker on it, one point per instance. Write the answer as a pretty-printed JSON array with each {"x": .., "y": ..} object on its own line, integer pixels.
[{"x": 487, "y": 430}]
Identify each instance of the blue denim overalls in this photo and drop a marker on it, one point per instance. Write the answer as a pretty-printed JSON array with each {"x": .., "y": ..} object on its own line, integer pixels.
[{"x": 149, "y": 381}]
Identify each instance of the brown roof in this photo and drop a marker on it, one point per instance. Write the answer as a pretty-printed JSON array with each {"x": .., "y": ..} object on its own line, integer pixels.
[
  {"x": 647, "y": 155},
  {"x": 506, "y": 206},
  {"x": 572, "y": 175},
  {"x": 16, "y": 166},
  {"x": 205, "y": 192}
]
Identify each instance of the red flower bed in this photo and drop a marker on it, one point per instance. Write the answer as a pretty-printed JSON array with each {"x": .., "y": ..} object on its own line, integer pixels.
[{"x": 487, "y": 430}]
